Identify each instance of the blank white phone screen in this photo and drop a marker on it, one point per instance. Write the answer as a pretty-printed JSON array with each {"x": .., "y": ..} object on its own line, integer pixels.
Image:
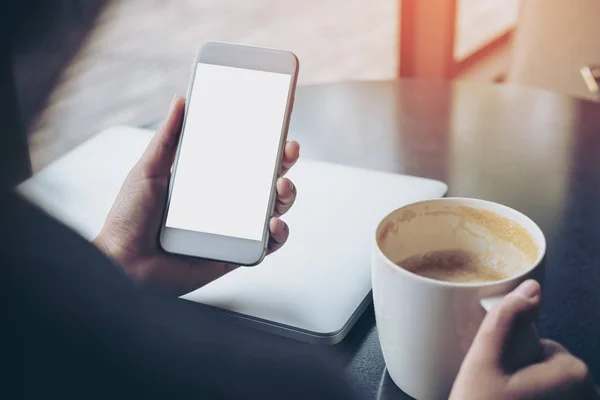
[{"x": 228, "y": 152}]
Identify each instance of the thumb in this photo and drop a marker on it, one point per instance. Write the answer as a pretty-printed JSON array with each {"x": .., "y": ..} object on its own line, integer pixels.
[
  {"x": 518, "y": 309},
  {"x": 158, "y": 156}
]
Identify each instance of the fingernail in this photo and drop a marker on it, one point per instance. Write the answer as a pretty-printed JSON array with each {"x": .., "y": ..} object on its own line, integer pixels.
[
  {"x": 529, "y": 289},
  {"x": 291, "y": 186},
  {"x": 172, "y": 106}
]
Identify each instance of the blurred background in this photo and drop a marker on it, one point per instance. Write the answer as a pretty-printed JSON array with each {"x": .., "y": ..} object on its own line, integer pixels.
[{"x": 82, "y": 65}]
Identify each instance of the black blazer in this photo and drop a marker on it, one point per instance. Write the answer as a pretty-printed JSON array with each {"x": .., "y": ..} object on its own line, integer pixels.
[{"x": 75, "y": 326}]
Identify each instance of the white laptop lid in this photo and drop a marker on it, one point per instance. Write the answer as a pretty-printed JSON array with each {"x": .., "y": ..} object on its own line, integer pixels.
[{"x": 313, "y": 289}]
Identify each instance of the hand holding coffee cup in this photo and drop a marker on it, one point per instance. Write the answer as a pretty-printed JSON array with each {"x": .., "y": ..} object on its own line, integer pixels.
[
  {"x": 435, "y": 265},
  {"x": 483, "y": 373}
]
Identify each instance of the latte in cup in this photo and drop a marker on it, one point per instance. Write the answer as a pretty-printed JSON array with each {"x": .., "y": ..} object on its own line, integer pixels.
[
  {"x": 434, "y": 264},
  {"x": 484, "y": 247},
  {"x": 455, "y": 265}
]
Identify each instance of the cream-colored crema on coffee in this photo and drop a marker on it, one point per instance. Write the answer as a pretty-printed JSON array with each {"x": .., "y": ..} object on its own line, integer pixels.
[
  {"x": 482, "y": 245},
  {"x": 455, "y": 266}
]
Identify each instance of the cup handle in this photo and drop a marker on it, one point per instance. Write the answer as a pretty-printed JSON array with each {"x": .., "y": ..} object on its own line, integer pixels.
[{"x": 524, "y": 346}]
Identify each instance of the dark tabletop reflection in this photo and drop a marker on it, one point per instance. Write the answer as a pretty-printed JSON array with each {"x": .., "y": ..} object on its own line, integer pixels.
[
  {"x": 389, "y": 390},
  {"x": 536, "y": 151}
]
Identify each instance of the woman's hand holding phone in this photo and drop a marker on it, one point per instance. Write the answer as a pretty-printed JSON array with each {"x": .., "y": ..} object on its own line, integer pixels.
[{"x": 131, "y": 228}]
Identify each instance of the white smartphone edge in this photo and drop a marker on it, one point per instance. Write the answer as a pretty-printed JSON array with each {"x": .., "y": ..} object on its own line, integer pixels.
[{"x": 238, "y": 251}]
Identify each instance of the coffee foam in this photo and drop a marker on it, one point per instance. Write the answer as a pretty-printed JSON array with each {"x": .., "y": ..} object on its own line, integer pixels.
[
  {"x": 503, "y": 229},
  {"x": 423, "y": 229},
  {"x": 455, "y": 266}
]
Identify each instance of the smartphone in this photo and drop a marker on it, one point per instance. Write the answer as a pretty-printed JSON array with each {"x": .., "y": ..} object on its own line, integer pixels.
[{"x": 222, "y": 189}]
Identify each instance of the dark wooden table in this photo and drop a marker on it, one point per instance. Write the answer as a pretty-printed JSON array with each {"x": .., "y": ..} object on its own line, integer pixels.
[{"x": 532, "y": 150}]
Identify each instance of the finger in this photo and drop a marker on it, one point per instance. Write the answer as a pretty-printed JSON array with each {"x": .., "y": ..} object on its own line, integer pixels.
[
  {"x": 279, "y": 234},
  {"x": 286, "y": 195},
  {"x": 518, "y": 307},
  {"x": 158, "y": 157},
  {"x": 552, "y": 348},
  {"x": 291, "y": 153},
  {"x": 559, "y": 374}
]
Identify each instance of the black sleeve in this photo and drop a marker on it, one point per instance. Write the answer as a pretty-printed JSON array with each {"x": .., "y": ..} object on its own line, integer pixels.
[{"x": 78, "y": 327}]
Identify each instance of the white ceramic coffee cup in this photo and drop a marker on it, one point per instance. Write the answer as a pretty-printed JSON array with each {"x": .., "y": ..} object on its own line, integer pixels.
[{"x": 426, "y": 326}]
